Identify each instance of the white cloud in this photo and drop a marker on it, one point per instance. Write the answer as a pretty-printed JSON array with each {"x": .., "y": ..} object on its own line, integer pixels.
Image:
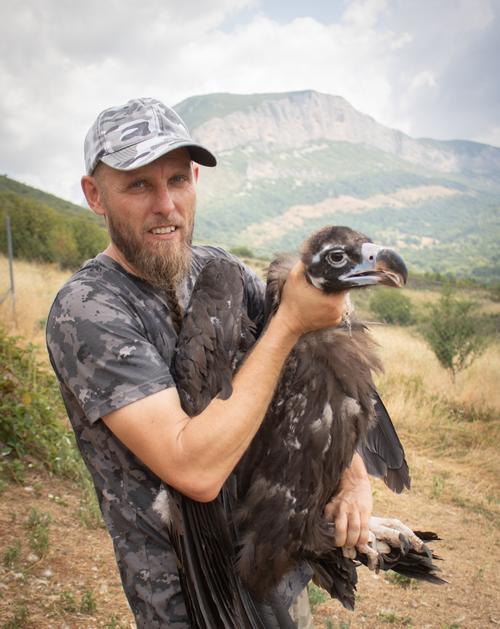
[{"x": 63, "y": 62}]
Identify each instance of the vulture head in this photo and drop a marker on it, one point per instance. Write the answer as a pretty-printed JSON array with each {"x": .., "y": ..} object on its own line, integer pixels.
[{"x": 339, "y": 258}]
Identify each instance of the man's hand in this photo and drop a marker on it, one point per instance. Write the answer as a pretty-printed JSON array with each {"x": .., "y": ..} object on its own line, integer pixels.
[
  {"x": 351, "y": 508},
  {"x": 304, "y": 308}
]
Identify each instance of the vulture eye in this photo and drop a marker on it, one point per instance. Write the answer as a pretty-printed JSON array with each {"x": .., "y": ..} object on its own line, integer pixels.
[{"x": 336, "y": 258}]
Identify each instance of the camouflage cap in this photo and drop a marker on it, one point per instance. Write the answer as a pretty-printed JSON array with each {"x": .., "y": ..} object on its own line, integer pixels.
[{"x": 137, "y": 133}]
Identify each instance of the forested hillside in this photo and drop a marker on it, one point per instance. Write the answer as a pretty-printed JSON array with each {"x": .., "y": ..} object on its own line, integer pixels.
[{"x": 46, "y": 228}]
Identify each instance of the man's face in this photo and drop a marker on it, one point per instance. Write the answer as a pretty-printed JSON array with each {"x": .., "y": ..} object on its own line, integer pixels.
[{"x": 150, "y": 215}]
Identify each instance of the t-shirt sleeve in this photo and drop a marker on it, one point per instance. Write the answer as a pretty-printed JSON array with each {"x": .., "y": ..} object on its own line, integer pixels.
[{"x": 100, "y": 351}]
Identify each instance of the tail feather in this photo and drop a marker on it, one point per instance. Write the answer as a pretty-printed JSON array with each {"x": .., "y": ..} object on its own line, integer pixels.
[
  {"x": 214, "y": 594},
  {"x": 337, "y": 575}
]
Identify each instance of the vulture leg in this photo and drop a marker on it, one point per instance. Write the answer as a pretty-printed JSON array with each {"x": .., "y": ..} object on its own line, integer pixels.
[
  {"x": 394, "y": 546},
  {"x": 395, "y": 532}
]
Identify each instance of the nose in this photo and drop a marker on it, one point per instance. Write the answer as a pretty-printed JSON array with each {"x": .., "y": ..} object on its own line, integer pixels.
[{"x": 164, "y": 202}]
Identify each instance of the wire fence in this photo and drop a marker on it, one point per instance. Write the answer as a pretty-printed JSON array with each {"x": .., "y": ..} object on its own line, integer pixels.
[{"x": 11, "y": 291}]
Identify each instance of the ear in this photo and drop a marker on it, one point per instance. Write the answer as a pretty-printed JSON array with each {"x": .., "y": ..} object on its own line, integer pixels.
[
  {"x": 196, "y": 172},
  {"x": 92, "y": 194}
]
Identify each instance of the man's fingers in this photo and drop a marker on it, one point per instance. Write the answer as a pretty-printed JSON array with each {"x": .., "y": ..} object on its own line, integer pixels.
[
  {"x": 353, "y": 528},
  {"x": 364, "y": 531},
  {"x": 341, "y": 529},
  {"x": 330, "y": 511}
]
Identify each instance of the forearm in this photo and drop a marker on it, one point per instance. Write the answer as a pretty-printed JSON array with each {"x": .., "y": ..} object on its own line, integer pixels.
[
  {"x": 356, "y": 471},
  {"x": 213, "y": 442}
]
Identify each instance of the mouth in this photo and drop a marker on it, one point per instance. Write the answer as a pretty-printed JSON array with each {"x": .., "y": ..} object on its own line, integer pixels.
[
  {"x": 163, "y": 232},
  {"x": 159, "y": 231},
  {"x": 385, "y": 277}
]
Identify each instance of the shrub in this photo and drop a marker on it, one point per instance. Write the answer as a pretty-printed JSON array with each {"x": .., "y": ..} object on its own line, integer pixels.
[
  {"x": 453, "y": 332},
  {"x": 242, "y": 251},
  {"x": 31, "y": 413},
  {"x": 391, "y": 306}
]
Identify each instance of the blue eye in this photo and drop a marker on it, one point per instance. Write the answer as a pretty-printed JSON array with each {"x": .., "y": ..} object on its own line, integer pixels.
[{"x": 179, "y": 179}]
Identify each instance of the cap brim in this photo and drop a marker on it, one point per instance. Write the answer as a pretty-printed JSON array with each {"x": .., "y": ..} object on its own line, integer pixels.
[{"x": 142, "y": 153}]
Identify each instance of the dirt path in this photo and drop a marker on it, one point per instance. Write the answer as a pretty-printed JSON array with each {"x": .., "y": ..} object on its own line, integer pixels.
[
  {"x": 76, "y": 583},
  {"x": 469, "y": 548}
]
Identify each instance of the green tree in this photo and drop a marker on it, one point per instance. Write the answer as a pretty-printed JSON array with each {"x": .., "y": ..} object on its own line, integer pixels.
[
  {"x": 453, "y": 332},
  {"x": 242, "y": 251},
  {"x": 391, "y": 306}
]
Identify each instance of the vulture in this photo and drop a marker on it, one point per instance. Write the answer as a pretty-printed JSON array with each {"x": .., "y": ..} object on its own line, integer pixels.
[{"x": 234, "y": 551}]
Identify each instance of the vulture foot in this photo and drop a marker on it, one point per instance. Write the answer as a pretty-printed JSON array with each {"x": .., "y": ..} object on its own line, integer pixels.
[
  {"x": 393, "y": 546},
  {"x": 389, "y": 533}
]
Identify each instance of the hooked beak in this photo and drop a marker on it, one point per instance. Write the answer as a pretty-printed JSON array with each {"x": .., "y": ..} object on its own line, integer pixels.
[{"x": 379, "y": 265}]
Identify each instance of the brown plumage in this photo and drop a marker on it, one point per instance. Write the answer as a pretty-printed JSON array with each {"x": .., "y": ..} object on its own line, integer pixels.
[
  {"x": 322, "y": 411},
  {"x": 324, "y": 408}
]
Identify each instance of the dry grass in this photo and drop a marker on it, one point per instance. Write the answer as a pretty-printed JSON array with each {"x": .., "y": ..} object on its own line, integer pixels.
[
  {"x": 454, "y": 426},
  {"x": 36, "y": 286},
  {"x": 421, "y": 297},
  {"x": 406, "y": 355}
]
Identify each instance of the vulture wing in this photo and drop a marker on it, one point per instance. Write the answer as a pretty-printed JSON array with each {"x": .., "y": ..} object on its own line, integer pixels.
[
  {"x": 204, "y": 544},
  {"x": 215, "y": 335},
  {"x": 382, "y": 451}
]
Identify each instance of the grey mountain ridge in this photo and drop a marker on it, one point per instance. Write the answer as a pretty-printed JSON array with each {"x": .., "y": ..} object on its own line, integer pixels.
[
  {"x": 291, "y": 162},
  {"x": 295, "y": 119}
]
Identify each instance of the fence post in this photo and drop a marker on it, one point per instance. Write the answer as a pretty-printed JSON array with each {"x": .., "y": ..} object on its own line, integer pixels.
[{"x": 10, "y": 254}]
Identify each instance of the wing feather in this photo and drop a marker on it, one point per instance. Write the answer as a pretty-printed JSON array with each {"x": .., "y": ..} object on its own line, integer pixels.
[{"x": 383, "y": 452}]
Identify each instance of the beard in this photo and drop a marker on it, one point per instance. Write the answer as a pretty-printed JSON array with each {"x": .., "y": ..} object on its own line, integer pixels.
[{"x": 164, "y": 264}]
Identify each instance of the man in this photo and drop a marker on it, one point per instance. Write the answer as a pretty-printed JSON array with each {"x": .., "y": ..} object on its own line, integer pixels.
[{"x": 111, "y": 335}]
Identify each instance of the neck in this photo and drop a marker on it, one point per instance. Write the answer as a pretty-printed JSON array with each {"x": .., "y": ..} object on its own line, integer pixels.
[{"x": 117, "y": 255}]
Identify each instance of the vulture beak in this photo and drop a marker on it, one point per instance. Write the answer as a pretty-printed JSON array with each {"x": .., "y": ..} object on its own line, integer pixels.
[{"x": 379, "y": 265}]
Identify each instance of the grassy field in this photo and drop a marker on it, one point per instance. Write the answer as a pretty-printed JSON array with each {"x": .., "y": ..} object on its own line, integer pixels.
[
  {"x": 56, "y": 563},
  {"x": 36, "y": 286}
]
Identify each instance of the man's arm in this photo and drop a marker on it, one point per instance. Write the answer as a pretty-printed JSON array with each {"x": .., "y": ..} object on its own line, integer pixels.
[{"x": 196, "y": 455}]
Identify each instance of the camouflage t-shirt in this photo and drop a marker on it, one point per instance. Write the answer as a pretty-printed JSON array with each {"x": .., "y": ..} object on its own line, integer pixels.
[{"x": 111, "y": 341}]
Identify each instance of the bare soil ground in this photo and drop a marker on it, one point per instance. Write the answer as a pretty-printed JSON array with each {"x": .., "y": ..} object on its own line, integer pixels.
[{"x": 76, "y": 583}]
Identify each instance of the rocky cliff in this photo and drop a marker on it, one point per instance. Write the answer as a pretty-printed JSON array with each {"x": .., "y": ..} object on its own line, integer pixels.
[{"x": 289, "y": 163}]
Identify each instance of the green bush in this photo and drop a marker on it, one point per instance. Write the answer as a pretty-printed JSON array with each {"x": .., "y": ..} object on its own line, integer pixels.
[
  {"x": 32, "y": 425},
  {"x": 453, "y": 332},
  {"x": 391, "y": 306},
  {"x": 242, "y": 251}
]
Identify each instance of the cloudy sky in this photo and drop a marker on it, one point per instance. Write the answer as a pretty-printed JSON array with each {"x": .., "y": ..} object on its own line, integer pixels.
[{"x": 427, "y": 67}]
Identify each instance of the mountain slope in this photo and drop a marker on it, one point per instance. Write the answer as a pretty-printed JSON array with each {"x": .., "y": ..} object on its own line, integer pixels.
[
  {"x": 61, "y": 205},
  {"x": 46, "y": 228},
  {"x": 291, "y": 162}
]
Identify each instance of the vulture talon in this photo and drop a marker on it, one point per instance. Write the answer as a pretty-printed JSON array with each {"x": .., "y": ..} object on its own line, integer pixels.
[
  {"x": 371, "y": 552},
  {"x": 349, "y": 552},
  {"x": 395, "y": 533}
]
